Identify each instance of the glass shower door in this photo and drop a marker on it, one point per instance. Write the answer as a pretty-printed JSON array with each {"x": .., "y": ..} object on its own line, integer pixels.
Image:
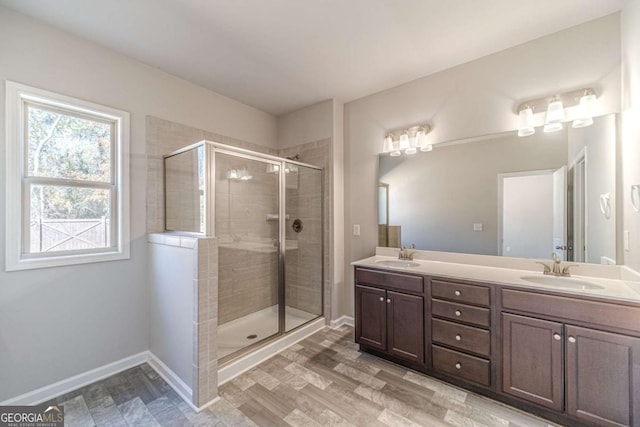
[
  {"x": 247, "y": 234},
  {"x": 303, "y": 245}
]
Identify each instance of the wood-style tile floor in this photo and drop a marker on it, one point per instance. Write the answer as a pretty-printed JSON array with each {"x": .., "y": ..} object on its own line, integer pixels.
[{"x": 321, "y": 381}]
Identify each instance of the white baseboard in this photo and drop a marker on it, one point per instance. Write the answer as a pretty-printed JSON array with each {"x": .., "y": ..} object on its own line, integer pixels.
[
  {"x": 176, "y": 383},
  {"x": 59, "y": 388},
  {"x": 340, "y": 321},
  {"x": 51, "y": 391}
]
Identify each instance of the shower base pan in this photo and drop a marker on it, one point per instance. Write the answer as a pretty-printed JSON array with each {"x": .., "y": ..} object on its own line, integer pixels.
[
  {"x": 252, "y": 328},
  {"x": 243, "y": 363}
]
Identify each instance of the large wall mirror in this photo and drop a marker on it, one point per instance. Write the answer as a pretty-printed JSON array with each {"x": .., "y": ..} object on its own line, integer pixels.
[{"x": 506, "y": 195}]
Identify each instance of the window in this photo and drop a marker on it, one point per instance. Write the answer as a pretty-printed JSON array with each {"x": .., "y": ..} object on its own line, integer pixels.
[{"x": 67, "y": 180}]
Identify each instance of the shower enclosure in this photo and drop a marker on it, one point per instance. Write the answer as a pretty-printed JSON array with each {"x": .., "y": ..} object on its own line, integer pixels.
[{"x": 265, "y": 214}]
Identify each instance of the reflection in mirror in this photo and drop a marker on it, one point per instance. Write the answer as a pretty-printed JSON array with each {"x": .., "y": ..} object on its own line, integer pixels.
[
  {"x": 506, "y": 195},
  {"x": 383, "y": 214}
]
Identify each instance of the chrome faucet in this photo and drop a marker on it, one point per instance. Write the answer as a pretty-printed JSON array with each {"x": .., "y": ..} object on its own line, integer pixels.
[
  {"x": 557, "y": 270},
  {"x": 405, "y": 254}
]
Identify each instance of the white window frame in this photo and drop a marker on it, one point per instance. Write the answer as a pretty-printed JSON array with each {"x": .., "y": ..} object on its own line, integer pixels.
[{"x": 17, "y": 212}]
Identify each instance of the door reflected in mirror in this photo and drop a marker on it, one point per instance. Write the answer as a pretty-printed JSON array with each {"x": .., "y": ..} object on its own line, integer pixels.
[{"x": 506, "y": 195}]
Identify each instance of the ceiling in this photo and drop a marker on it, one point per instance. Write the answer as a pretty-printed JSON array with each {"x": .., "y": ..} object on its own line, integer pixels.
[{"x": 280, "y": 55}]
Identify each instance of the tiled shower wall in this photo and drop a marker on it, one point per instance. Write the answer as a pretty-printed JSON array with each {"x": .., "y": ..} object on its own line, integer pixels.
[
  {"x": 164, "y": 137},
  {"x": 215, "y": 259},
  {"x": 304, "y": 270},
  {"x": 183, "y": 189},
  {"x": 248, "y": 269}
]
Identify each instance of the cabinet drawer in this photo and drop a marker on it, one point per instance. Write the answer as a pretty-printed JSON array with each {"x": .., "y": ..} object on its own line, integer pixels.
[
  {"x": 461, "y": 312},
  {"x": 594, "y": 312},
  {"x": 461, "y": 365},
  {"x": 402, "y": 282},
  {"x": 463, "y": 337},
  {"x": 453, "y": 291}
]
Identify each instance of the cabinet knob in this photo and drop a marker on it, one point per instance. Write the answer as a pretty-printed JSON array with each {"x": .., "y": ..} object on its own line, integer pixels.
[
  {"x": 458, "y": 365},
  {"x": 556, "y": 337},
  {"x": 458, "y": 313},
  {"x": 457, "y": 293},
  {"x": 388, "y": 300},
  {"x": 381, "y": 298},
  {"x": 458, "y": 337},
  {"x": 572, "y": 340}
]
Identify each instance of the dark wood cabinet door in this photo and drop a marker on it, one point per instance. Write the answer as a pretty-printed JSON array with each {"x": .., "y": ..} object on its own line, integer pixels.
[
  {"x": 371, "y": 317},
  {"x": 603, "y": 377},
  {"x": 405, "y": 319},
  {"x": 532, "y": 360}
]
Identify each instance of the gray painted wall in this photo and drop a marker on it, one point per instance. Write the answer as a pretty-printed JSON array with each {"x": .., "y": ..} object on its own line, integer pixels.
[{"x": 171, "y": 275}]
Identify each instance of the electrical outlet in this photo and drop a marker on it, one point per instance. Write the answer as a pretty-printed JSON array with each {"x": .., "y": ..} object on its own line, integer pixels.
[
  {"x": 478, "y": 227},
  {"x": 356, "y": 229}
]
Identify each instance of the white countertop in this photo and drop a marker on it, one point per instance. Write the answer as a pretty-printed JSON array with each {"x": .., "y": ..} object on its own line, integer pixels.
[{"x": 612, "y": 289}]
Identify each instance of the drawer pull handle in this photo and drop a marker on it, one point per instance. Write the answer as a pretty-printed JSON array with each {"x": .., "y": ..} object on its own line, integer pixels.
[
  {"x": 458, "y": 365},
  {"x": 457, "y": 293},
  {"x": 458, "y": 338},
  {"x": 556, "y": 337},
  {"x": 458, "y": 313},
  {"x": 572, "y": 340},
  {"x": 381, "y": 299},
  {"x": 388, "y": 300}
]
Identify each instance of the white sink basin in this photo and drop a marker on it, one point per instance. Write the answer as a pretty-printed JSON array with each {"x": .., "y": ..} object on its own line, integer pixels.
[
  {"x": 562, "y": 282},
  {"x": 397, "y": 263}
]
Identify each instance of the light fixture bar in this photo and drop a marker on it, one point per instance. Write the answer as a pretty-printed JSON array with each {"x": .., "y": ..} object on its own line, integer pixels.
[
  {"x": 568, "y": 99},
  {"x": 406, "y": 140}
]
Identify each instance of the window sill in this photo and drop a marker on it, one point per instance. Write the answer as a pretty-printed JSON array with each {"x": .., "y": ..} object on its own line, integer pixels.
[{"x": 61, "y": 261}]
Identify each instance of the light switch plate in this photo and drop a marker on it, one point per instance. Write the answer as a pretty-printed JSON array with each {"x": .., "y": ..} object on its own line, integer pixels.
[
  {"x": 626, "y": 241},
  {"x": 356, "y": 229},
  {"x": 478, "y": 227}
]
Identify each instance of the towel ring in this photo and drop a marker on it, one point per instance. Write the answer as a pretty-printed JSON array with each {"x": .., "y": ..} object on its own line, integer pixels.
[
  {"x": 635, "y": 197},
  {"x": 605, "y": 205}
]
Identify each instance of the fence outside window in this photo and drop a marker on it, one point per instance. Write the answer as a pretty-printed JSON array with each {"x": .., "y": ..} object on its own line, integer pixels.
[{"x": 50, "y": 235}]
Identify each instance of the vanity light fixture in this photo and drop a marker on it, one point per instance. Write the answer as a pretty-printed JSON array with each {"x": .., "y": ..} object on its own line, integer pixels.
[
  {"x": 404, "y": 140},
  {"x": 525, "y": 121},
  {"x": 576, "y": 106},
  {"x": 555, "y": 116},
  {"x": 408, "y": 140},
  {"x": 585, "y": 110}
]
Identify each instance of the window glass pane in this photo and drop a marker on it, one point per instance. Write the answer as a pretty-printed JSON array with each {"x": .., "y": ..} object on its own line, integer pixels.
[
  {"x": 69, "y": 218},
  {"x": 66, "y": 146}
]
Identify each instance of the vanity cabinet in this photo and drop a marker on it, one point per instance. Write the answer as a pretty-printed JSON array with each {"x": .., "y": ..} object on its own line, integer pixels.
[
  {"x": 573, "y": 359},
  {"x": 461, "y": 331},
  {"x": 532, "y": 360},
  {"x": 603, "y": 376},
  {"x": 590, "y": 374},
  {"x": 387, "y": 320}
]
